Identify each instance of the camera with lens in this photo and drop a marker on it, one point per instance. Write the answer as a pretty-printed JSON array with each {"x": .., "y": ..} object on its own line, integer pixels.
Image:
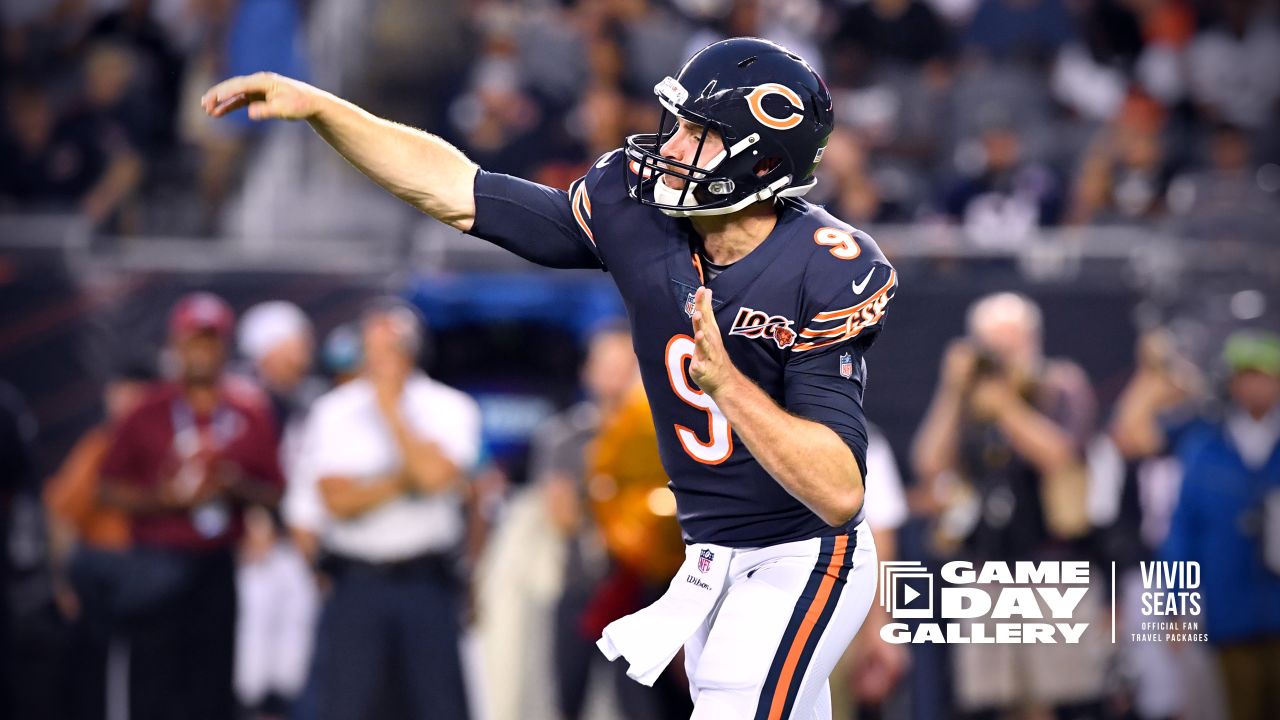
[{"x": 987, "y": 363}]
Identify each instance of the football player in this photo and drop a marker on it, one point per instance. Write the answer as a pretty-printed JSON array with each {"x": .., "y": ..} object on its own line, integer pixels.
[{"x": 752, "y": 312}]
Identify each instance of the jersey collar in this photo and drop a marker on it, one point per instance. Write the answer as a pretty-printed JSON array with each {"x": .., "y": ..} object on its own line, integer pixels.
[{"x": 734, "y": 280}]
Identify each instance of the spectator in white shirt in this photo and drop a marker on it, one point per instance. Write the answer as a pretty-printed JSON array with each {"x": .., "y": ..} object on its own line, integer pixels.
[{"x": 378, "y": 485}]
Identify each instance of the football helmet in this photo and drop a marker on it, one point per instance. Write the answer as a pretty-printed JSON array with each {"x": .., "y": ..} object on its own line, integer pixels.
[{"x": 771, "y": 110}]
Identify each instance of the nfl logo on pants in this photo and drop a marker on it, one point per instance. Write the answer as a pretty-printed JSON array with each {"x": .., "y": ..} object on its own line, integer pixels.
[{"x": 704, "y": 560}]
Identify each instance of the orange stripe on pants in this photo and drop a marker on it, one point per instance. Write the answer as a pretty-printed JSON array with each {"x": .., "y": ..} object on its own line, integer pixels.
[{"x": 806, "y": 628}]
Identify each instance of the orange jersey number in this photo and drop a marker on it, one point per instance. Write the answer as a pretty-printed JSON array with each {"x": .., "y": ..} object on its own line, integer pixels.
[
  {"x": 719, "y": 444},
  {"x": 841, "y": 243}
]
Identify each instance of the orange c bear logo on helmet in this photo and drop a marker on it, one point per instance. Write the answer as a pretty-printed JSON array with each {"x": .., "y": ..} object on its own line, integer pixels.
[{"x": 755, "y": 100}]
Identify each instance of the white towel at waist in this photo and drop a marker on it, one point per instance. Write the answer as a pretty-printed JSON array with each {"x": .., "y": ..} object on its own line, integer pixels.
[{"x": 651, "y": 637}]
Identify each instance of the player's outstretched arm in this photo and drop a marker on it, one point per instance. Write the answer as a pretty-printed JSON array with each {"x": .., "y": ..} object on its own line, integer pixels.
[{"x": 415, "y": 166}]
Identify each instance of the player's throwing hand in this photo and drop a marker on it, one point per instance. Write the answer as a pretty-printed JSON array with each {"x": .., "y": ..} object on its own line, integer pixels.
[
  {"x": 268, "y": 96},
  {"x": 710, "y": 367}
]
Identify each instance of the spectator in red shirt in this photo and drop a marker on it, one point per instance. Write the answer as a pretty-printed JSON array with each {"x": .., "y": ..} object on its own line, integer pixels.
[{"x": 183, "y": 466}]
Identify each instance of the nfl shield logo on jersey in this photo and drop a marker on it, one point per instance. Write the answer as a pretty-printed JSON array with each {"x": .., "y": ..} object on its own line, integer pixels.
[
  {"x": 704, "y": 560},
  {"x": 689, "y": 305},
  {"x": 846, "y": 365}
]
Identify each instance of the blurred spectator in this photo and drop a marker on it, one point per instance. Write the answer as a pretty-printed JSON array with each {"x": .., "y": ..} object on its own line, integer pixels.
[
  {"x": 849, "y": 187},
  {"x": 1228, "y": 512},
  {"x": 995, "y": 97},
  {"x": 264, "y": 35},
  {"x": 1088, "y": 88},
  {"x": 550, "y": 44},
  {"x": 157, "y": 67},
  {"x": 340, "y": 354},
  {"x": 278, "y": 605},
  {"x": 1021, "y": 30},
  {"x": 517, "y": 581},
  {"x": 634, "y": 511},
  {"x": 956, "y": 12},
  {"x": 1124, "y": 175},
  {"x": 903, "y": 32},
  {"x": 1008, "y": 427},
  {"x": 872, "y": 668},
  {"x": 93, "y": 88},
  {"x": 278, "y": 598},
  {"x": 547, "y": 558},
  {"x": 383, "y": 459},
  {"x": 82, "y": 163},
  {"x": 497, "y": 119},
  {"x": 17, "y": 433},
  {"x": 503, "y": 78},
  {"x": 1131, "y": 502},
  {"x": 896, "y": 122},
  {"x": 85, "y": 540},
  {"x": 1231, "y": 64},
  {"x": 183, "y": 466},
  {"x": 557, "y": 465},
  {"x": 112, "y": 92},
  {"x": 1001, "y": 195},
  {"x": 1112, "y": 30},
  {"x": 256, "y": 36},
  {"x": 604, "y": 113},
  {"x": 277, "y": 340},
  {"x": 592, "y": 539},
  {"x": 1167, "y": 28},
  {"x": 1091, "y": 75},
  {"x": 340, "y": 358},
  {"x": 419, "y": 53},
  {"x": 1228, "y": 199}
]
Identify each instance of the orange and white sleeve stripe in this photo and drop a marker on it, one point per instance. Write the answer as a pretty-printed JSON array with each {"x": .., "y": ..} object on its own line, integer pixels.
[{"x": 832, "y": 327}]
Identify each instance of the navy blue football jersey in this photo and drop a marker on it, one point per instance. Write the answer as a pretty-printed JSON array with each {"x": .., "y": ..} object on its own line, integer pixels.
[{"x": 797, "y": 316}]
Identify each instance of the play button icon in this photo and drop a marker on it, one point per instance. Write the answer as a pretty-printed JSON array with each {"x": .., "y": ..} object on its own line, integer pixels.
[{"x": 906, "y": 589}]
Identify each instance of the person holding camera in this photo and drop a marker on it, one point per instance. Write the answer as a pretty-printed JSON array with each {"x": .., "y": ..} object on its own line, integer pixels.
[
  {"x": 1002, "y": 448},
  {"x": 1227, "y": 516}
]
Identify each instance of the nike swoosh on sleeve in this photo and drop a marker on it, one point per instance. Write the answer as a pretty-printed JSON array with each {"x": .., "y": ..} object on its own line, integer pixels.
[{"x": 858, "y": 287}]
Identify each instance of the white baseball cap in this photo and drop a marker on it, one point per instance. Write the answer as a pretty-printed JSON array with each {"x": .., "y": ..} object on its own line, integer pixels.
[{"x": 266, "y": 325}]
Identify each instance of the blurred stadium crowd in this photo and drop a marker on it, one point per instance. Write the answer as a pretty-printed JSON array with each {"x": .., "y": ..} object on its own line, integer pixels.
[
  {"x": 1057, "y": 112},
  {"x": 366, "y": 573}
]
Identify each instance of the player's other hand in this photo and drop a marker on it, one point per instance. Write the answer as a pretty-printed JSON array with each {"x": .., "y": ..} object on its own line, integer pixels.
[
  {"x": 267, "y": 95},
  {"x": 710, "y": 367}
]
